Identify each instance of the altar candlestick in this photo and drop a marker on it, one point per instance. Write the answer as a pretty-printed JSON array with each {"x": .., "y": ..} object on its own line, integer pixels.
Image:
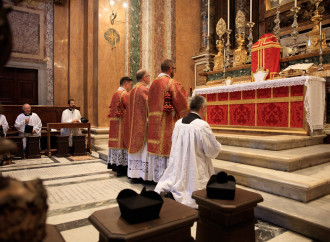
[
  {"x": 321, "y": 52},
  {"x": 250, "y": 11},
  {"x": 208, "y": 18},
  {"x": 228, "y": 14}
]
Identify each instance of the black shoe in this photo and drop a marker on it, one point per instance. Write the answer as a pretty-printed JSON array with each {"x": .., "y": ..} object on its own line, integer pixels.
[{"x": 119, "y": 174}]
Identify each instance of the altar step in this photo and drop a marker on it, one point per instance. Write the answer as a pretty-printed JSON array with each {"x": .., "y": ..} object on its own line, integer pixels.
[
  {"x": 309, "y": 219},
  {"x": 282, "y": 160},
  {"x": 266, "y": 141},
  {"x": 305, "y": 185}
]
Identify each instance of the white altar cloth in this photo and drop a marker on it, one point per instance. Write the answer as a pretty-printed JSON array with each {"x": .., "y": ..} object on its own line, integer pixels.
[{"x": 314, "y": 101}]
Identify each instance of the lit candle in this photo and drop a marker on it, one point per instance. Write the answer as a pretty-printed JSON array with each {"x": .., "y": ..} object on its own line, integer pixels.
[
  {"x": 228, "y": 15},
  {"x": 208, "y": 18},
  {"x": 295, "y": 3},
  {"x": 250, "y": 11}
]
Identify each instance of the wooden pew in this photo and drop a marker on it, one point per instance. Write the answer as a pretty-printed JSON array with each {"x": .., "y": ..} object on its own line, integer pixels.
[{"x": 47, "y": 114}]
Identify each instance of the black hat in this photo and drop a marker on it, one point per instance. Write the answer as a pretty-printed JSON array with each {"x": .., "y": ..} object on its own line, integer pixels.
[
  {"x": 221, "y": 186},
  {"x": 136, "y": 208}
]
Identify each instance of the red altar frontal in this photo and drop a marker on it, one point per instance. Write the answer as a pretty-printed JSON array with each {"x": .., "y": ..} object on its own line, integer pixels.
[{"x": 293, "y": 105}]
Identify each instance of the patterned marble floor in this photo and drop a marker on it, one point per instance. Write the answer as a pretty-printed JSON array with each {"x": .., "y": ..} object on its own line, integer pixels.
[{"x": 78, "y": 188}]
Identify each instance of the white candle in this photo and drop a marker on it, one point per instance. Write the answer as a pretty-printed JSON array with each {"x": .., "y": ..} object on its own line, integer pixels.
[
  {"x": 295, "y": 3},
  {"x": 208, "y": 18},
  {"x": 250, "y": 11},
  {"x": 228, "y": 15},
  {"x": 320, "y": 34}
]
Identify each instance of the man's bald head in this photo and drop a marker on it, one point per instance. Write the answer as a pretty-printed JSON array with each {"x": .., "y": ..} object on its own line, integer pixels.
[{"x": 26, "y": 108}]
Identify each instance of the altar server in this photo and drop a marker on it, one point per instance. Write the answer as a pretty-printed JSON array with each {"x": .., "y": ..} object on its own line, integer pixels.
[
  {"x": 28, "y": 123},
  {"x": 3, "y": 125},
  {"x": 71, "y": 115},
  {"x": 193, "y": 146}
]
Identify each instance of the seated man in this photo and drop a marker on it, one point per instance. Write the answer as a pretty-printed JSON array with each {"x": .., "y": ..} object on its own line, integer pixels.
[
  {"x": 3, "y": 125},
  {"x": 193, "y": 146},
  {"x": 71, "y": 115},
  {"x": 5, "y": 157},
  {"x": 28, "y": 124}
]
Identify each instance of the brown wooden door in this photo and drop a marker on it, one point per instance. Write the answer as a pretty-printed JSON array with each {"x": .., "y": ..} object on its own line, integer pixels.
[{"x": 18, "y": 86}]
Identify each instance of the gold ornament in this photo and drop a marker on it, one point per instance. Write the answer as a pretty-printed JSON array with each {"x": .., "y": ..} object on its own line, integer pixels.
[
  {"x": 240, "y": 21},
  {"x": 240, "y": 53},
  {"x": 313, "y": 37},
  {"x": 221, "y": 28},
  {"x": 218, "y": 59}
]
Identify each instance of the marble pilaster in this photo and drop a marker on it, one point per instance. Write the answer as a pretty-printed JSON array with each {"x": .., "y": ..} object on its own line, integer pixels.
[
  {"x": 135, "y": 37},
  {"x": 61, "y": 54},
  {"x": 187, "y": 41},
  {"x": 146, "y": 36}
]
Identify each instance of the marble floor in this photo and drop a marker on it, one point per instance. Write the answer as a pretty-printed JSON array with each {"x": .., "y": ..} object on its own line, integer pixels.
[{"x": 77, "y": 188}]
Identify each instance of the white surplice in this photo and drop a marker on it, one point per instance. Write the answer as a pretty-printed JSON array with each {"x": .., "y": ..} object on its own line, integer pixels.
[
  {"x": 34, "y": 121},
  {"x": 139, "y": 164},
  {"x": 67, "y": 117},
  {"x": 190, "y": 166},
  {"x": 4, "y": 123}
]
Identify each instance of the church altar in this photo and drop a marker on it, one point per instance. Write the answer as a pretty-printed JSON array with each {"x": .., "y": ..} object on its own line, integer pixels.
[{"x": 292, "y": 105}]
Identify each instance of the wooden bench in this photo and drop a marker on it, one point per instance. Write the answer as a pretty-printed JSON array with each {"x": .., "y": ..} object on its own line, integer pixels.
[{"x": 47, "y": 114}]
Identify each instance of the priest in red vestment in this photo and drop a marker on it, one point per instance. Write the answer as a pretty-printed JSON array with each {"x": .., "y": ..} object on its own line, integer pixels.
[
  {"x": 137, "y": 132},
  {"x": 167, "y": 103},
  {"x": 117, "y": 158}
]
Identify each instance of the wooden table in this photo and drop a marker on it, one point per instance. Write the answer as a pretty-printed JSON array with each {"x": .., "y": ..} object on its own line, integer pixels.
[
  {"x": 173, "y": 224},
  {"x": 70, "y": 126},
  {"x": 226, "y": 220}
]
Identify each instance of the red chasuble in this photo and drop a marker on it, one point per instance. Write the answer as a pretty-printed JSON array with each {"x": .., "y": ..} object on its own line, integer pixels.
[
  {"x": 117, "y": 119},
  {"x": 161, "y": 120},
  {"x": 266, "y": 53},
  {"x": 137, "y": 114}
]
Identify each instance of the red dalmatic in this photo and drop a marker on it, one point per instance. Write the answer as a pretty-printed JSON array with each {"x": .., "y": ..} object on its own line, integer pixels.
[
  {"x": 167, "y": 103},
  {"x": 118, "y": 119},
  {"x": 137, "y": 114}
]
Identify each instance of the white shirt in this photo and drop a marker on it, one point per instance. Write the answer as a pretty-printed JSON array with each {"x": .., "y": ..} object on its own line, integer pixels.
[
  {"x": 190, "y": 166},
  {"x": 4, "y": 123},
  {"x": 67, "y": 117},
  {"x": 163, "y": 74},
  {"x": 34, "y": 121}
]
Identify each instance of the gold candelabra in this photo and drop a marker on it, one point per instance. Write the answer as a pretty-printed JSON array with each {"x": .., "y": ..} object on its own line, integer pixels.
[
  {"x": 219, "y": 58},
  {"x": 316, "y": 36},
  {"x": 240, "y": 54}
]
